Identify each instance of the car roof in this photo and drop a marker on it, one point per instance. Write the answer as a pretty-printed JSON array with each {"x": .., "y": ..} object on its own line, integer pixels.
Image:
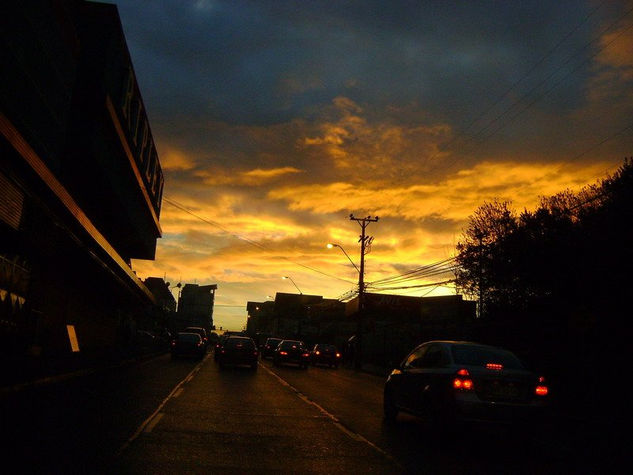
[{"x": 188, "y": 334}]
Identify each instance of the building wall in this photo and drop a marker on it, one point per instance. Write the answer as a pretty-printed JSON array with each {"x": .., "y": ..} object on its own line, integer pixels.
[{"x": 73, "y": 211}]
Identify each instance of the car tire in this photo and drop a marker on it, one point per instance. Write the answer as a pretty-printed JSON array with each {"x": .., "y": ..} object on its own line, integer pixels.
[{"x": 390, "y": 411}]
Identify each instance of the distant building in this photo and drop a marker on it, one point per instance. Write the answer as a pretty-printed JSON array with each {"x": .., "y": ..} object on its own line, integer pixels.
[
  {"x": 80, "y": 180},
  {"x": 195, "y": 306}
]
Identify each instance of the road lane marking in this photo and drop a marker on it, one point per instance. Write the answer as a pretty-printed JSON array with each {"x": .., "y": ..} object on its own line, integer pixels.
[
  {"x": 155, "y": 421},
  {"x": 147, "y": 421},
  {"x": 337, "y": 423}
]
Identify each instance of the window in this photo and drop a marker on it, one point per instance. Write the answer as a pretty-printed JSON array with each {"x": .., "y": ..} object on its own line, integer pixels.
[
  {"x": 414, "y": 359},
  {"x": 433, "y": 358}
]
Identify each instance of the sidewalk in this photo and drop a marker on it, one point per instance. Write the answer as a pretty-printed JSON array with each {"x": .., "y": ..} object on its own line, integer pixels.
[{"x": 21, "y": 371}]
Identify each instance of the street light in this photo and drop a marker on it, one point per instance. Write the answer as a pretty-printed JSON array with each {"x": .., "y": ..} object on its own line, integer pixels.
[
  {"x": 293, "y": 283},
  {"x": 331, "y": 245}
]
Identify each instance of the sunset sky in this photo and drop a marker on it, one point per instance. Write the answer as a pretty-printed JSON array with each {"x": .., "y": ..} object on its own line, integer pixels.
[{"x": 274, "y": 120}]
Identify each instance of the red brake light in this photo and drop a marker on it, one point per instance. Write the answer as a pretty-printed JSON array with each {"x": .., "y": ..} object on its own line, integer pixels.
[
  {"x": 463, "y": 384},
  {"x": 462, "y": 381},
  {"x": 284, "y": 353},
  {"x": 494, "y": 366},
  {"x": 541, "y": 389}
]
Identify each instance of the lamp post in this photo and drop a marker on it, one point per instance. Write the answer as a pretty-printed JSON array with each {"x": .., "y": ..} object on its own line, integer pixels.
[
  {"x": 331, "y": 245},
  {"x": 293, "y": 283}
]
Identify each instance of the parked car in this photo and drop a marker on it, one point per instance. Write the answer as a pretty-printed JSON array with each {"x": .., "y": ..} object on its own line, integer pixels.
[
  {"x": 453, "y": 381},
  {"x": 187, "y": 344},
  {"x": 202, "y": 332},
  {"x": 323, "y": 353},
  {"x": 238, "y": 350},
  {"x": 291, "y": 351},
  {"x": 270, "y": 346}
]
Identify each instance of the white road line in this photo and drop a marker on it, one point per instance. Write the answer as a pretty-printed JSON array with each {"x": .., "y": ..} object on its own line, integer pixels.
[
  {"x": 147, "y": 421},
  {"x": 155, "y": 421},
  {"x": 337, "y": 423}
]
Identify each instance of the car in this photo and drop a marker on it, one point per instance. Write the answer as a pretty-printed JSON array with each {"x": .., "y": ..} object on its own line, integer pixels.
[
  {"x": 187, "y": 344},
  {"x": 270, "y": 346},
  {"x": 323, "y": 353},
  {"x": 218, "y": 346},
  {"x": 238, "y": 350},
  {"x": 291, "y": 351},
  {"x": 448, "y": 382},
  {"x": 203, "y": 333}
]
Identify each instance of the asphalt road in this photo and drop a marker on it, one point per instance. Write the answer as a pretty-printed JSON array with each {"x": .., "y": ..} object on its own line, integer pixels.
[{"x": 186, "y": 416}]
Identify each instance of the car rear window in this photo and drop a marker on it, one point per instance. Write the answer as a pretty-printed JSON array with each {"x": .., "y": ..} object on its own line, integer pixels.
[
  {"x": 239, "y": 343},
  {"x": 286, "y": 344},
  {"x": 188, "y": 337},
  {"x": 472, "y": 355}
]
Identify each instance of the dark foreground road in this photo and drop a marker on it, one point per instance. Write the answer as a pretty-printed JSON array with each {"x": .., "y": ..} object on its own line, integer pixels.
[{"x": 183, "y": 416}]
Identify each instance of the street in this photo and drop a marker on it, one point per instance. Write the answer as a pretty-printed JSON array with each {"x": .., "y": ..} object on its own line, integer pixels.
[{"x": 186, "y": 416}]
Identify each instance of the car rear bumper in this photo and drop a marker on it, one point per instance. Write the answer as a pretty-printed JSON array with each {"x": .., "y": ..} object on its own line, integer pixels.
[{"x": 504, "y": 413}]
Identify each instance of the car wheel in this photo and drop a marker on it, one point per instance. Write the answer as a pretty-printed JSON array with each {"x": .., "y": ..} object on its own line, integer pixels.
[{"x": 389, "y": 408}]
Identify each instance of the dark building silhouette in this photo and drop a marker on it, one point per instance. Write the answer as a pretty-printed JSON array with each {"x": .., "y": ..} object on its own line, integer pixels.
[
  {"x": 195, "y": 306},
  {"x": 80, "y": 180},
  {"x": 391, "y": 324}
]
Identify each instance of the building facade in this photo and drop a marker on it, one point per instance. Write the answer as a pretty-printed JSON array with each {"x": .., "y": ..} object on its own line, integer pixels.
[
  {"x": 195, "y": 306},
  {"x": 80, "y": 180}
]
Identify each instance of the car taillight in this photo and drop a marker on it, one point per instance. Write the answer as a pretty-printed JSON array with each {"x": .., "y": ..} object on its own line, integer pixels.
[
  {"x": 541, "y": 389},
  {"x": 283, "y": 353},
  {"x": 462, "y": 381},
  {"x": 173, "y": 343},
  {"x": 306, "y": 354},
  {"x": 494, "y": 366},
  {"x": 254, "y": 353}
]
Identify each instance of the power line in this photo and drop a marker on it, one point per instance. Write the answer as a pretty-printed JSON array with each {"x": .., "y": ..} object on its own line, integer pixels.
[
  {"x": 249, "y": 241},
  {"x": 524, "y": 76}
]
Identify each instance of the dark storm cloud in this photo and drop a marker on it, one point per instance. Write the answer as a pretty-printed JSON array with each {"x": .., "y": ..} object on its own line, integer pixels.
[{"x": 263, "y": 62}]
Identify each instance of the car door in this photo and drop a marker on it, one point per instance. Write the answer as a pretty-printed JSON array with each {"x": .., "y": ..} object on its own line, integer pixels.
[
  {"x": 428, "y": 385},
  {"x": 404, "y": 391}
]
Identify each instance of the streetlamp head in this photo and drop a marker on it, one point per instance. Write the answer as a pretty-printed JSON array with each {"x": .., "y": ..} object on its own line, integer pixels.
[{"x": 330, "y": 245}]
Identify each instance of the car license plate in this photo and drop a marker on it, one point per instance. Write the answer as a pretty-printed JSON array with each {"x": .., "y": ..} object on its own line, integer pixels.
[{"x": 502, "y": 390}]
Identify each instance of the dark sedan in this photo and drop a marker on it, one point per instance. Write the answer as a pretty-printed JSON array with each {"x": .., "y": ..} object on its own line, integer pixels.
[
  {"x": 188, "y": 344},
  {"x": 293, "y": 352},
  {"x": 452, "y": 381},
  {"x": 238, "y": 350},
  {"x": 325, "y": 354}
]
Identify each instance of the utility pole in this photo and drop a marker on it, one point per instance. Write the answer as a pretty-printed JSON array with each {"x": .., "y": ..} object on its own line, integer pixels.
[{"x": 365, "y": 243}]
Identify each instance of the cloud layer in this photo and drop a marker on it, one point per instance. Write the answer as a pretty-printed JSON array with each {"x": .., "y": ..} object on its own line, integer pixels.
[{"x": 276, "y": 120}]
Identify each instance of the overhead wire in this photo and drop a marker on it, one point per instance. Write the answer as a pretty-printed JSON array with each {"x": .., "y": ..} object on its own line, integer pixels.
[
  {"x": 522, "y": 78},
  {"x": 249, "y": 241}
]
